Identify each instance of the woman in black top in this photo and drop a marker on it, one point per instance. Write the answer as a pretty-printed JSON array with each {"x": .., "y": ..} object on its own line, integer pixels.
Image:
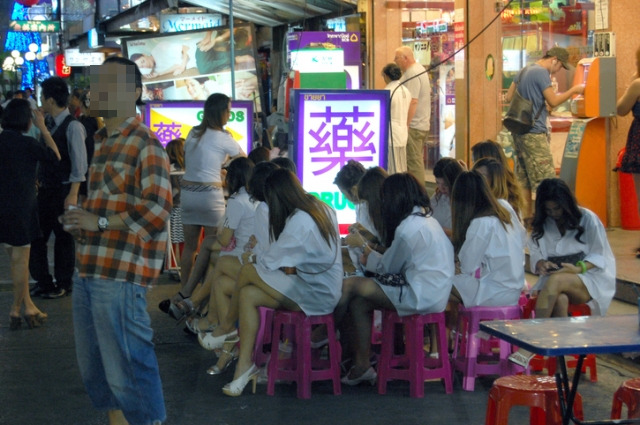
[{"x": 19, "y": 156}]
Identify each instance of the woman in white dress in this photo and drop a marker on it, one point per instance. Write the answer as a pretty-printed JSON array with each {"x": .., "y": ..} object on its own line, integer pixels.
[
  {"x": 207, "y": 147},
  {"x": 420, "y": 256},
  {"x": 300, "y": 271},
  {"x": 400, "y": 100},
  {"x": 489, "y": 247},
  {"x": 232, "y": 236},
  {"x": 569, "y": 250},
  {"x": 509, "y": 196},
  {"x": 446, "y": 171},
  {"x": 368, "y": 226}
]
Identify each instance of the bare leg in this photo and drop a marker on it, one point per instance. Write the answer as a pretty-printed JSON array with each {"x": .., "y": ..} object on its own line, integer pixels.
[
  {"x": 223, "y": 286},
  {"x": 367, "y": 296},
  {"x": 560, "y": 283},
  {"x": 20, "y": 277},
  {"x": 254, "y": 293},
  {"x": 116, "y": 417}
]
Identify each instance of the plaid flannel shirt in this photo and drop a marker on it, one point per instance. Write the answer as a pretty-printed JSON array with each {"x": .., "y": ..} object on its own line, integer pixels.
[{"x": 129, "y": 176}]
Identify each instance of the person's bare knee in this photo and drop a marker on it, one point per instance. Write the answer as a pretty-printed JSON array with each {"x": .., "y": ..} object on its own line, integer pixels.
[{"x": 561, "y": 307}]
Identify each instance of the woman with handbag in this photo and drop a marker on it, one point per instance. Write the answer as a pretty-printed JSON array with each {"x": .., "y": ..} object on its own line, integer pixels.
[
  {"x": 413, "y": 276},
  {"x": 569, "y": 249}
]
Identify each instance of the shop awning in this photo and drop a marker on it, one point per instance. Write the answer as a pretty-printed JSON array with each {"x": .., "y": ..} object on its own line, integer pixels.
[{"x": 273, "y": 13}]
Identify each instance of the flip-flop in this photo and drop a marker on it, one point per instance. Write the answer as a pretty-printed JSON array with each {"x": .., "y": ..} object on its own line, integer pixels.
[{"x": 521, "y": 359}]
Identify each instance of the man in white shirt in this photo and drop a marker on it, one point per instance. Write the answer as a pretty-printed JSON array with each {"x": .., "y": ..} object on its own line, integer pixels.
[{"x": 419, "y": 116}]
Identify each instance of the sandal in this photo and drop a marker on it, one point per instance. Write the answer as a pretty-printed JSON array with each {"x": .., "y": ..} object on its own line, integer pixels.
[
  {"x": 521, "y": 359},
  {"x": 182, "y": 310},
  {"x": 230, "y": 351}
]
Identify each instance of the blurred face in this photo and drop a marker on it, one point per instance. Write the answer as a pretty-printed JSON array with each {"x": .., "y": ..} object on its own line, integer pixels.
[
  {"x": 557, "y": 66},
  {"x": 483, "y": 171},
  {"x": 195, "y": 89},
  {"x": 226, "y": 115},
  {"x": 554, "y": 210},
  {"x": 400, "y": 60},
  {"x": 442, "y": 186},
  {"x": 145, "y": 61},
  {"x": 113, "y": 90}
]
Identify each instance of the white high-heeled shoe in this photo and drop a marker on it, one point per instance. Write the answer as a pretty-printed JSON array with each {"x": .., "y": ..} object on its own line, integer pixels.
[
  {"x": 235, "y": 387},
  {"x": 210, "y": 342}
]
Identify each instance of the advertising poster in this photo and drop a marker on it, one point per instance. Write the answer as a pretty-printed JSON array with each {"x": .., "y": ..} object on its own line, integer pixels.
[
  {"x": 192, "y": 65},
  {"x": 347, "y": 42},
  {"x": 170, "y": 120},
  {"x": 447, "y": 99},
  {"x": 331, "y": 128}
]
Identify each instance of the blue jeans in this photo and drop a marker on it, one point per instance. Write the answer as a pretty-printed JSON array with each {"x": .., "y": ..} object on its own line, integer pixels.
[{"x": 113, "y": 344}]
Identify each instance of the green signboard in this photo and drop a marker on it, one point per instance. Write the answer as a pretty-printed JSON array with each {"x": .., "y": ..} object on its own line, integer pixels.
[{"x": 35, "y": 26}]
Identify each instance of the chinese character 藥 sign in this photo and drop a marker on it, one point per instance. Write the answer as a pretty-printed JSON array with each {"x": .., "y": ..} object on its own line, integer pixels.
[
  {"x": 331, "y": 128},
  {"x": 170, "y": 120},
  {"x": 34, "y": 26}
]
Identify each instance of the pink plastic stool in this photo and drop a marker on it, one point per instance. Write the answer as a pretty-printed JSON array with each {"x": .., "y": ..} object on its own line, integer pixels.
[
  {"x": 629, "y": 395},
  {"x": 414, "y": 365},
  {"x": 301, "y": 368},
  {"x": 540, "y": 393},
  {"x": 467, "y": 356},
  {"x": 263, "y": 337}
]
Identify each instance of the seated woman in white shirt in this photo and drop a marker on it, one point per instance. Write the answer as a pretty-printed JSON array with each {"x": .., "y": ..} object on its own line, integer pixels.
[
  {"x": 446, "y": 171},
  {"x": 418, "y": 253},
  {"x": 300, "y": 271},
  {"x": 569, "y": 250},
  {"x": 489, "y": 248},
  {"x": 368, "y": 225},
  {"x": 236, "y": 229},
  {"x": 225, "y": 274}
]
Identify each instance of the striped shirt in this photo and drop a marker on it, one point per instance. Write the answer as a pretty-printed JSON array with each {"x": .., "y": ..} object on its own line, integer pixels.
[{"x": 129, "y": 176}]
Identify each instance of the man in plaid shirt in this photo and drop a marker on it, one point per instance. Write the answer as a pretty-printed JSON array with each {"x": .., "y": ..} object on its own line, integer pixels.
[{"x": 123, "y": 233}]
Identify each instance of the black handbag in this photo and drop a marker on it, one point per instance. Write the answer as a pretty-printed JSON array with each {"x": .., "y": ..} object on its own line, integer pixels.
[
  {"x": 519, "y": 118},
  {"x": 570, "y": 259},
  {"x": 392, "y": 279}
]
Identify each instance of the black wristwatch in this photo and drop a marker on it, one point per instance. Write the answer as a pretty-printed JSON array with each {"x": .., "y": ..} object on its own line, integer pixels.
[{"x": 103, "y": 223}]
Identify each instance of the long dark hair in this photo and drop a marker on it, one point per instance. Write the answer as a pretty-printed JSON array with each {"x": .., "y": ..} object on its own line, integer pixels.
[
  {"x": 370, "y": 190},
  {"x": 284, "y": 195},
  {"x": 349, "y": 176},
  {"x": 238, "y": 174},
  {"x": 256, "y": 183},
  {"x": 557, "y": 191},
  {"x": 401, "y": 192},
  {"x": 447, "y": 169},
  {"x": 500, "y": 182},
  {"x": 214, "y": 107},
  {"x": 471, "y": 198}
]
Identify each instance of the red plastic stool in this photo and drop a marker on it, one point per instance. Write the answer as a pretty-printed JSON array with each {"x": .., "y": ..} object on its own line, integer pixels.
[
  {"x": 300, "y": 367},
  {"x": 467, "y": 354},
  {"x": 538, "y": 392},
  {"x": 538, "y": 363},
  {"x": 629, "y": 395},
  {"x": 263, "y": 337},
  {"x": 414, "y": 365}
]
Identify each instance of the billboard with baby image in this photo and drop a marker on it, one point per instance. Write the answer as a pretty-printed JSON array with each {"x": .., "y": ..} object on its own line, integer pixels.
[{"x": 192, "y": 65}]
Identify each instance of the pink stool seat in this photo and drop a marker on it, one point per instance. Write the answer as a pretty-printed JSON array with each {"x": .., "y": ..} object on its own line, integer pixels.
[
  {"x": 539, "y": 393},
  {"x": 301, "y": 368},
  {"x": 629, "y": 395},
  {"x": 414, "y": 365},
  {"x": 468, "y": 357}
]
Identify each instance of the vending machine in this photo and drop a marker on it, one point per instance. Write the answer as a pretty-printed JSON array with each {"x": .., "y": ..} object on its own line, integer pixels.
[{"x": 585, "y": 162}]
